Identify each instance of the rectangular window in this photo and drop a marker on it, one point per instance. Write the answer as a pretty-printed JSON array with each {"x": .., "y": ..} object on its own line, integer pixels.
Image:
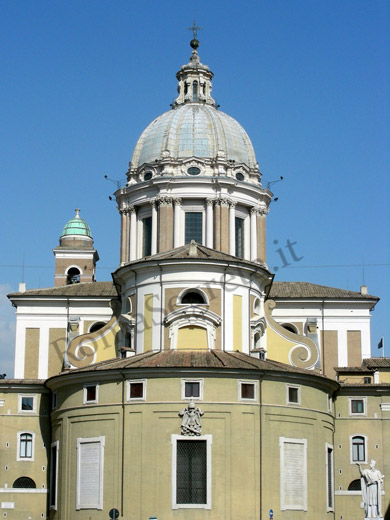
[
  {"x": 329, "y": 478},
  {"x": 247, "y": 390},
  {"x": 358, "y": 448},
  {"x": 90, "y": 394},
  {"x": 367, "y": 380},
  {"x": 357, "y": 406},
  {"x": 193, "y": 227},
  {"x": 192, "y": 388},
  {"x": 136, "y": 390},
  {"x": 53, "y": 474},
  {"x": 90, "y": 459},
  {"x": 25, "y": 446},
  {"x": 54, "y": 400},
  {"x": 147, "y": 236},
  {"x": 239, "y": 237},
  {"x": 293, "y": 395},
  {"x": 191, "y": 470},
  {"x": 27, "y": 403}
]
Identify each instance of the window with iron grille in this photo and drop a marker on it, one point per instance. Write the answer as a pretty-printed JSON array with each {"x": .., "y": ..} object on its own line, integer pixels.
[
  {"x": 191, "y": 473},
  {"x": 329, "y": 477},
  {"x": 191, "y": 484},
  {"x": 24, "y": 483},
  {"x": 53, "y": 475},
  {"x": 355, "y": 485},
  {"x": 193, "y": 227}
]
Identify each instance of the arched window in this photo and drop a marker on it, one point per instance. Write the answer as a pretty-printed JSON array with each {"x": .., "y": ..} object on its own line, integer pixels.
[
  {"x": 195, "y": 91},
  {"x": 24, "y": 483},
  {"x": 73, "y": 276},
  {"x": 358, "y": 449},
  {"x": 355, "y": 485},
  {"x": 96, "y": 326},
  {"x": 257, "y": 340},
  {"x": 193, "y": 297},
  {"x": 25, "y": 445}
]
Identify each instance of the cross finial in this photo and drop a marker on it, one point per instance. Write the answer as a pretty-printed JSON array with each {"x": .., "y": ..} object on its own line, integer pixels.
[{"x": 194, "y": 29}]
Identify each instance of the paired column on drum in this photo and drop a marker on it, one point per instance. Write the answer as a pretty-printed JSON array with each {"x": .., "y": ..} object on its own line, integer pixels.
[
  {"x": 210, "y": 222},
  {"x": 128, "y": 232}
]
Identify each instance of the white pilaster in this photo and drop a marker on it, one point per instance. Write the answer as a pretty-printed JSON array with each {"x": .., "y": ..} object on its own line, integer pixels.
[
  {"x": 154, "y": 227},
  {"x": 133, "y": 234},
  {"x": 209, "y": 223},
  {"x": 247, "y": 235},
  {"x": 176, "y": 223},
  {"x": 43, "y": 363},
  {"x": 232, "y": 228},
  {"x": 253, "y": 234}
]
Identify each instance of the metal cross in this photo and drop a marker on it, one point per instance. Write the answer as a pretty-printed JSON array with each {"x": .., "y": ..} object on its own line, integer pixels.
[{"x": 194, "y": 29}]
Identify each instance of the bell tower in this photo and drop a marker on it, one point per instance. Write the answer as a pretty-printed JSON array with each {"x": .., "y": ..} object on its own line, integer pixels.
[{"x": 75, "y": 257}]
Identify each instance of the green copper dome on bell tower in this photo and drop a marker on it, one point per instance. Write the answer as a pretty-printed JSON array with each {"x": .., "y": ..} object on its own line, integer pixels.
[{"x": 76, "y": 226}]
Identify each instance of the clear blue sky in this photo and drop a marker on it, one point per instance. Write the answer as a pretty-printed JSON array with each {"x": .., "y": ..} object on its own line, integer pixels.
[{"x": 308, "y": 80}]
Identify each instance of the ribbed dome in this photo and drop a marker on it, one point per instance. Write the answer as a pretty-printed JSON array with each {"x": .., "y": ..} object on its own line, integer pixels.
[
  {"x": 194, "y": 130},
  {"x": 76, "y": 226}
]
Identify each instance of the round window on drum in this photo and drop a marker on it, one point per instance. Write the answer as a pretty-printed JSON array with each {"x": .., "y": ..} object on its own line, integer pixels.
[{"x": 193, "y": 170}]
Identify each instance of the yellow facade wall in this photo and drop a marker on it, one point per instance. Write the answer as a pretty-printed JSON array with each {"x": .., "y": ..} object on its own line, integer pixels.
[
  {"x": 237, "y": 322},
  {"x": 31, "y": 354},
  {"x": 57, "y": 339},
  {"x": 194, "y": 338}
]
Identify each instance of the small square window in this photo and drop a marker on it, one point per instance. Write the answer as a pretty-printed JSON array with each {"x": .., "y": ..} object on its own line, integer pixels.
[
  {"x": 357, "y": 406},
  {"x": 293, "y": 395},
  {"x": 136, "y": 390},
  {"x": 27, "y": 403},
  {"x": 247, "y": 390},
  {"x": 367, "y": 380},
  {"x": 91, "y": 394},
  {"x": 192, "y": 389}
]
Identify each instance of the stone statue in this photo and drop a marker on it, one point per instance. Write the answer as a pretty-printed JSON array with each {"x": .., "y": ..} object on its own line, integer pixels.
[
  {"x": 372, "y": 481},
  {"x": 191, "y": 423}
]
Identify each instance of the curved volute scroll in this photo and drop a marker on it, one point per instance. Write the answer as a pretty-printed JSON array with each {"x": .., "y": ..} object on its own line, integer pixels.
[
  {"x": 283, "y": 345},
  {"x": 96, "y": 346}
]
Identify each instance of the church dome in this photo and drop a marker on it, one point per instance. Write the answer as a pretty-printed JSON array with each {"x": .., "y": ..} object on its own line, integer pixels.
[
  {"x": 194, "y": 130},
  {"x": 76, "y": 226}
]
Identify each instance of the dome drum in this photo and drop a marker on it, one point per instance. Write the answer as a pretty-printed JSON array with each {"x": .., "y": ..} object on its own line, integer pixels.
[{"x": 218, "y": 166}]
